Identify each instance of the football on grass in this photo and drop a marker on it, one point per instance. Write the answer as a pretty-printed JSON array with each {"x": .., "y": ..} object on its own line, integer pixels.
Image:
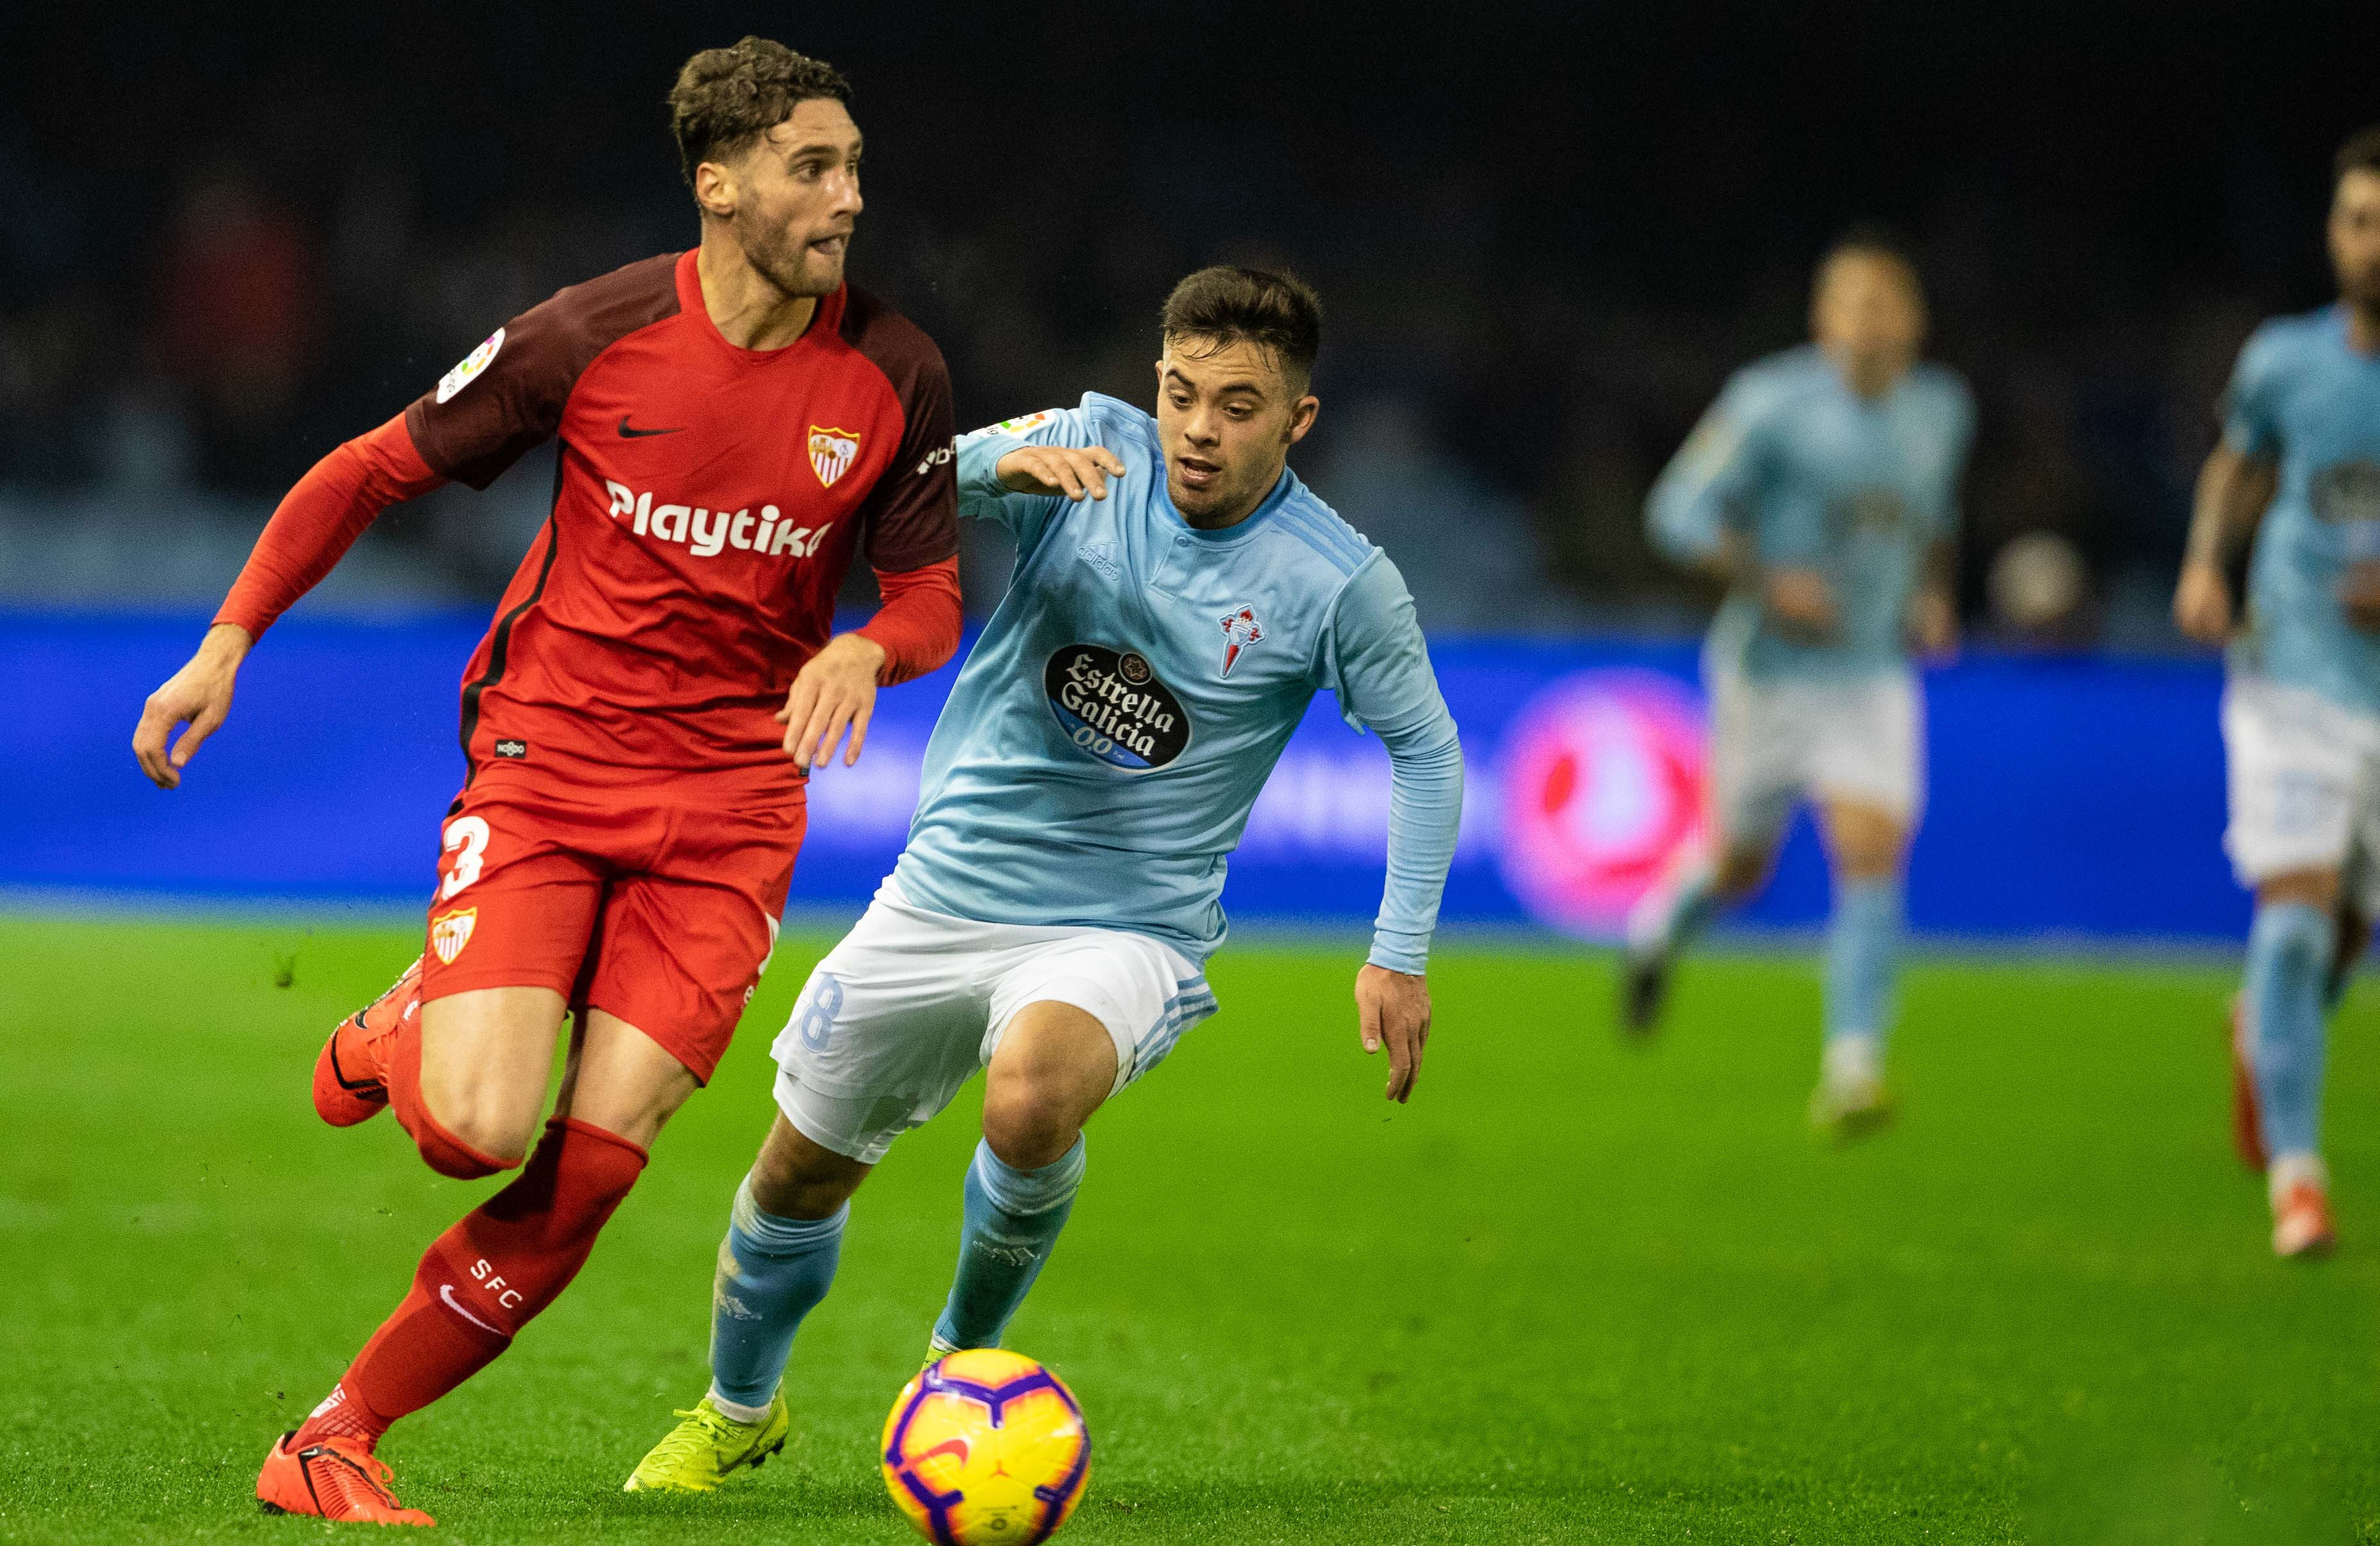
[{"x": 985, "y": 1448}]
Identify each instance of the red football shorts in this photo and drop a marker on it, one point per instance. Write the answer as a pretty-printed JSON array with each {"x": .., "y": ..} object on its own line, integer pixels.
[{"x": 645, "y": 903}]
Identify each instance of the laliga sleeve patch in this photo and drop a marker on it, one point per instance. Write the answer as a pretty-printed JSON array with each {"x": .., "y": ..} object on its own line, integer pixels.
[
  {"x": 1028, "y": 424},
  {"x": 1111, "y": 704},
  {"x": 468, "y": 371}
]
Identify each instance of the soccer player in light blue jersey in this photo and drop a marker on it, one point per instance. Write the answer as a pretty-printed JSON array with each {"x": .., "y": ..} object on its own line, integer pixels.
[
  {"x": 1179, "y": 597},
  {"x": 2298, "y": 472},
  {"x": 1823, "y": 488}
]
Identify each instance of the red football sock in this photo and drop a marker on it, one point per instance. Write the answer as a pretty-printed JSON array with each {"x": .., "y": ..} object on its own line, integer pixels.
[{"x": 483, "y": 1279}]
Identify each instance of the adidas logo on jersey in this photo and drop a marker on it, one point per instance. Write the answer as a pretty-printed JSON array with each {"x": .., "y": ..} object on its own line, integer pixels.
[{"x": 706, "y": 532}]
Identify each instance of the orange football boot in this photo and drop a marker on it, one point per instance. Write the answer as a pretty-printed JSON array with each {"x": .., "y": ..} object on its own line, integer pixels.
[
  {"x": 351, "y": 1076},
  {"x": 2301, "y": 1226},
  {"x": 2247, "y": 1128},
  {"x": 338, "y": 1479}
]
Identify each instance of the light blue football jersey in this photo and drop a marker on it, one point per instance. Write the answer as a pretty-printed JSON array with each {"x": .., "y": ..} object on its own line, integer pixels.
[
  {"x": 2303, "y": 396},
  {"x": 1812, "y": 474},
  {"x": 1106, "y": 739}
]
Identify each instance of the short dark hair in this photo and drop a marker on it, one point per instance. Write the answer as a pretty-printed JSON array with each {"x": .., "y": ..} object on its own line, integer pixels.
[
  {"x": 2361, "y": 153},
  {"x": 1872, "y": 238},
  {"x": 727, "y": 98},
  {"x": 1279, "y": 313}
]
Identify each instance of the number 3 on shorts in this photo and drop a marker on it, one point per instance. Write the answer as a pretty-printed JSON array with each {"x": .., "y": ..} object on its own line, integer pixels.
[
  {"x": 814, "y": 1016},
  {"x": 469, "y": 833}
]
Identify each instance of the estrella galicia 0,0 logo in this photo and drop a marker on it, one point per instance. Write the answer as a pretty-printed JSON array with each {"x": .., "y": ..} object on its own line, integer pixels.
[{"x": 1111, "y": 704}]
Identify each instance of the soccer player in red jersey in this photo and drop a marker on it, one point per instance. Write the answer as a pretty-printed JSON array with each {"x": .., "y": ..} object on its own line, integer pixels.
[{"x": 735, "y": 423}]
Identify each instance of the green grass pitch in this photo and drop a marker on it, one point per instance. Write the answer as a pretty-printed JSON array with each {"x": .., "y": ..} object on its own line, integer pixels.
[{"x": 1576, "y": 1292}]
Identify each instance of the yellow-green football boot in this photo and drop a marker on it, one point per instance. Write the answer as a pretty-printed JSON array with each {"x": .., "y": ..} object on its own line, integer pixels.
[{"x": 708, "y": 1447}]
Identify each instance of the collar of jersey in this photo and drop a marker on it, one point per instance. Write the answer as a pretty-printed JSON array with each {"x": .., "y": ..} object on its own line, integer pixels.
[
  {"x": 1838, "y": 383},
  {"x": 824, "y": 322},
  {"x": 1237, "y": 529}
]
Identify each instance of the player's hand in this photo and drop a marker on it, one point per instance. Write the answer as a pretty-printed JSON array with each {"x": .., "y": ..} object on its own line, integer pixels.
[
  {"x": 2202, "y": 602},
  {"x": 2358, "y": 592},
  {"x": 1055, "y": 469},
  {"x": 1800, "y": 603},
  {"x": 199, "y": 696},
  {"x": 835, "y": 692},
  {"x": 1934, "y": 624},
  {"x": 1393, "y": 1011}
]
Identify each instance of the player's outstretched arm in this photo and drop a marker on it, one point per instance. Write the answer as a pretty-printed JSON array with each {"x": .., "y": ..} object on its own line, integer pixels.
[
  {"x": 2233, "y": 489},
  {"x": 1376, "y": 660},
  {"x": 1695, "y": 514},
  {"x": 314, "y": 526},
  {"x": 1051, "y": 470},
  {"x": 199, "y": 696}
]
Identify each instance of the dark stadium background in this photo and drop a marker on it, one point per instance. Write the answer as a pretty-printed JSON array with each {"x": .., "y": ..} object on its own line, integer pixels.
[{"x": 1545, "y": 233}]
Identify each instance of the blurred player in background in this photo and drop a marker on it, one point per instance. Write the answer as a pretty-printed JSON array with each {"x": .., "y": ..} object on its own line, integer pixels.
[
  {"x": 1179, "y": 598},
  {"x": 2297, "y": 473},
  {"x": 1822, "y": 488},
  {"x": 735, "y": 424}
]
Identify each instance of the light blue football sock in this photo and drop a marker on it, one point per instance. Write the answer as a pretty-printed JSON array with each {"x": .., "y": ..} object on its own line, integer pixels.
[
  {"x": 2289, "y": 948},
  {"x": 771, "y": 1273},
  {"x": 1011, "y": 1221},
  {"x": 1863, "y": 959}
]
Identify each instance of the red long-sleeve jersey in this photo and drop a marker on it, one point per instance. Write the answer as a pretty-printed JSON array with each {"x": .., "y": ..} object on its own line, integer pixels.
[{"x": 707, "y": 502}]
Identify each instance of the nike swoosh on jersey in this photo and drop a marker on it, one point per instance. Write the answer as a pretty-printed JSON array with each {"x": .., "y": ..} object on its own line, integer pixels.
[
  {"x": 627, "y": 433},
  {"x": 446, "y": 1292}
]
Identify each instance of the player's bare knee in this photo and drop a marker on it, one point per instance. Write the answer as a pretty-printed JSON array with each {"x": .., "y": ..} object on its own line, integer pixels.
[
  {"x": 1877, "y": 862},
  {"x": 2312, "y": 888},
  {"x": 486, "y": 1057},
  {"x": 470, "y": 1130},
  {"x": 493, "y": 1141},
  {"x": 1053, "y": 1067},
  {"x": 796, "y": 1178},
  {"x": 1030, "y": 1123},
  {"x": 1867, "y": 843}
]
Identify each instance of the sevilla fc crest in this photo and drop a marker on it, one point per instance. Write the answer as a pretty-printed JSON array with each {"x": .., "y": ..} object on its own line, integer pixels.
[
  {"x": 831, "y": 454},
  {"x": 1240, "y": 630},
  {"x": 450, "y": 932}
]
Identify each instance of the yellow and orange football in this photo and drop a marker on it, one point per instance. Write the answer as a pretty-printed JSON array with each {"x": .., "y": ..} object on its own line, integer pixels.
[{"x": 986, "y": 1448}]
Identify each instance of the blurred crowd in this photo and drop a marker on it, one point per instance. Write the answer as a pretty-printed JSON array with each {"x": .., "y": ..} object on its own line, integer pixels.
[{"x": 1532, "y": 289}]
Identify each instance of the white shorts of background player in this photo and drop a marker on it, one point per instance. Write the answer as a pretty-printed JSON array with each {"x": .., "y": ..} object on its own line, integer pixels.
[
  {"x": 1775, "y": 744},
  {"x": 899, "y": 1016},
  {"x": 2304, "y": 776}
]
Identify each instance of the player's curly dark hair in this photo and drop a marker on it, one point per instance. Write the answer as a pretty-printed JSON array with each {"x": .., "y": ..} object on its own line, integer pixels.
[
  {"x": 1279, "y": 313},
  {"x": 2361, "y": 153},
  {"x": 725, "y": 98}
]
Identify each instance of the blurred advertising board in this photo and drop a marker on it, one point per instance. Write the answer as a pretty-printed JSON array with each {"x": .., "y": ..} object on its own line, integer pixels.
[{"x": 2069, "y": 796}]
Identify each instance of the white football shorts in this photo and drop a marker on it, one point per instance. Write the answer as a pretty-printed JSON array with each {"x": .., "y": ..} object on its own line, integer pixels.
[
  {"x": 1776, "y": 744},
  {"x": 901, "y": 1014},
  {"x": 2304, "y": 784}
]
